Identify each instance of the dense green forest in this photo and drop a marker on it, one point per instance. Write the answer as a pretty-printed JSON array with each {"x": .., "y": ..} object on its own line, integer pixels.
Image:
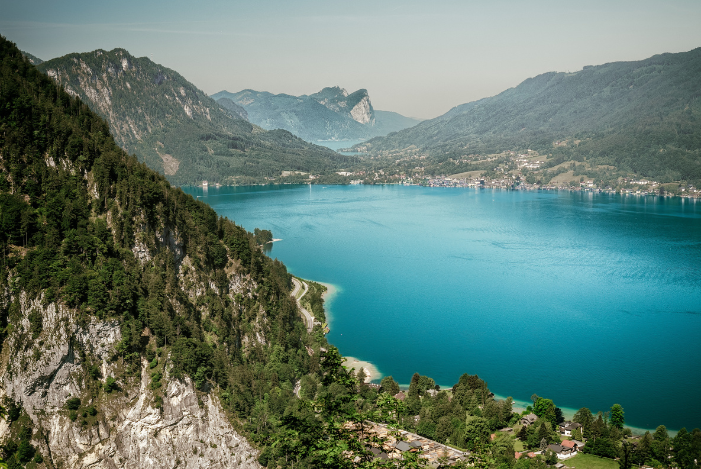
[
  {"x": 176, "y": 129},
  {"x": 641, "y": 117},
  {"x": 75, "y": 210}
]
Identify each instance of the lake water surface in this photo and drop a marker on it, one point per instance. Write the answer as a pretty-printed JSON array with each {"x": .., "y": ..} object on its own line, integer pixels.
[
  {"x": 337, "y": 144},
  {"x": 583, "y": 298}
]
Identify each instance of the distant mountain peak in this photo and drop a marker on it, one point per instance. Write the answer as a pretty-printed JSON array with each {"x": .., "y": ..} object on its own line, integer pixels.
[
  {"x": 330, "y": 114},
  {"x": 331, "y": 91},
  {"x": 355, "y": 105}
]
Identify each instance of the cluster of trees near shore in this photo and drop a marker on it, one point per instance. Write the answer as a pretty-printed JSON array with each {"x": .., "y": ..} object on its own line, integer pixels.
[{"x": 466, "y": 417}]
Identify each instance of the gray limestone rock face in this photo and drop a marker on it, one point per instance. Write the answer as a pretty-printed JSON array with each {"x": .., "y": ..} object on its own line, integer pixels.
[{"x": 189, "y": 430}]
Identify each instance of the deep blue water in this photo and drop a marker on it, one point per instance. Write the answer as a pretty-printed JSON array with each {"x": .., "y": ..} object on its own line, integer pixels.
[{"x": 586, "y": 299}]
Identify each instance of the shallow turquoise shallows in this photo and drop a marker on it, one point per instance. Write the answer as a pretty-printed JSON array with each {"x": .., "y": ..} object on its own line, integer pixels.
[{"x": 586, "y": 299}]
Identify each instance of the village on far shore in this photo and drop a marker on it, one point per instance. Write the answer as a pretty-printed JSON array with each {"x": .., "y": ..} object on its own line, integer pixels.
[{"x": 508, "y": 170}]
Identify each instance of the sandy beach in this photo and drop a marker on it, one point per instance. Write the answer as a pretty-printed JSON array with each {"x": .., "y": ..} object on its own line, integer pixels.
[
  {"x": 328, "y": 297},
  {"x": 370, "y": 370},
  {"x": 330, "y": 291}
]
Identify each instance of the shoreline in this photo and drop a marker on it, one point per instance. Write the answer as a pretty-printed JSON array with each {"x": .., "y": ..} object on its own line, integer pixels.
[
  {"x": 328, "y": 296},
  {"x": 539, "y": 188},
  {"x": 568, "y": 414},
  {"x": 370, "y": 370},
  {"x": 374, "y": 374}
]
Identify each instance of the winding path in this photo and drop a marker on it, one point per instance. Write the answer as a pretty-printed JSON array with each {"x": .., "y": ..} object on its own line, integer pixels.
[{"x": 308, "y": 318}]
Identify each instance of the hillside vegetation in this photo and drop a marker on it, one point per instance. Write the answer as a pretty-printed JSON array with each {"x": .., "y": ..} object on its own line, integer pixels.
[
  {"x": 643, "y": 117},
  {"x": 175, "y": 128}
]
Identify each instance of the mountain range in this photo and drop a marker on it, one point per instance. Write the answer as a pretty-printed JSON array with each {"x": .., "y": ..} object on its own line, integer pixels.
[
  {"x": 642, "y": 116},
  {"x": 175, "y": 128},
  {"x": 330, "y": 114}
]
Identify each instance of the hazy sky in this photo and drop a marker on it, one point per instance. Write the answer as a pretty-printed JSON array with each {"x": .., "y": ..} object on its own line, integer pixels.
[{"x": 416, "y": 58}]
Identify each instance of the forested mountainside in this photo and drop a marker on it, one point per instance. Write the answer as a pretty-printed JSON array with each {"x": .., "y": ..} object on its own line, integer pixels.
[
  {"x": 175, "y": 128},
  {"x": 642, "y": 116},
  {"x": 330, "y": 114},
  {"x": 138, "y": 328}
]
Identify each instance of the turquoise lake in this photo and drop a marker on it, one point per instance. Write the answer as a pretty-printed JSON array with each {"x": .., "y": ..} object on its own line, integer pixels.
[{"x": 587, "y": 299}]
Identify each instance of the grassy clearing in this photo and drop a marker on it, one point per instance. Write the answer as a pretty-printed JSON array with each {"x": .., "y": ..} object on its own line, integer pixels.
[
  {"x": 589, "y": 461},
  {"x": 565, "y": 177},
  {"x": 468, "y": 174}
]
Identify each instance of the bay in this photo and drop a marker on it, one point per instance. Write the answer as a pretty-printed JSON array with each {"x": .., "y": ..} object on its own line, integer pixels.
[{"x": 587, "y": 299}]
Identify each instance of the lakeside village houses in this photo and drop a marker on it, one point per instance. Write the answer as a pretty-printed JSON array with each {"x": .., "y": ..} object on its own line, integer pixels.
[
  {"x": 567, "y": 448},
  {"x": 401, "y": 441}
]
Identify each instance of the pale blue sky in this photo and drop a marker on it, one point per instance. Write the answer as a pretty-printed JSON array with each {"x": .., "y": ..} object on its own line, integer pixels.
[{"x": 416, "y": 58}]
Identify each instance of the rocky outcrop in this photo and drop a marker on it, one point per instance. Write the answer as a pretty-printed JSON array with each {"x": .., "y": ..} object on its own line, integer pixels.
[
  {"x": 362, "y": 112},
  {"x": 41, "y": 371},
  {"x": 356, "y": 105},
  {"x": 189, "y": 431}
]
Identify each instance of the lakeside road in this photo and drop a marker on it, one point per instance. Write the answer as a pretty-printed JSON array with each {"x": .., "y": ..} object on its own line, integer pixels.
[{"x": 308, "y": 318}]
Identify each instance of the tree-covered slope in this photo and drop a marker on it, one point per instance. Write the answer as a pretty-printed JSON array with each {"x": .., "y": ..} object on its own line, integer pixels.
[
  {"x": 90, "y": 238},
  {"x": 174, "y": 127},
  {"x": 642, "y": 116},
  {"x": 387, "y": 122}
]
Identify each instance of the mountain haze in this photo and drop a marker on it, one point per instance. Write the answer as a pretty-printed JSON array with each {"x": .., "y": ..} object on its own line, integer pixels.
[
  {"x": 176, "y": 128},
  {"x": 643, "y": 116},
  {"x": 330, "y": 114},
  {"x": 235, "y": 109}
]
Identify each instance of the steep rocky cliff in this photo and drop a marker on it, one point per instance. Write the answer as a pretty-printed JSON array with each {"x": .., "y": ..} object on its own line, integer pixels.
[
  {"x": 186, "y": 429},
  {"x": 357, "y": 105}
]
